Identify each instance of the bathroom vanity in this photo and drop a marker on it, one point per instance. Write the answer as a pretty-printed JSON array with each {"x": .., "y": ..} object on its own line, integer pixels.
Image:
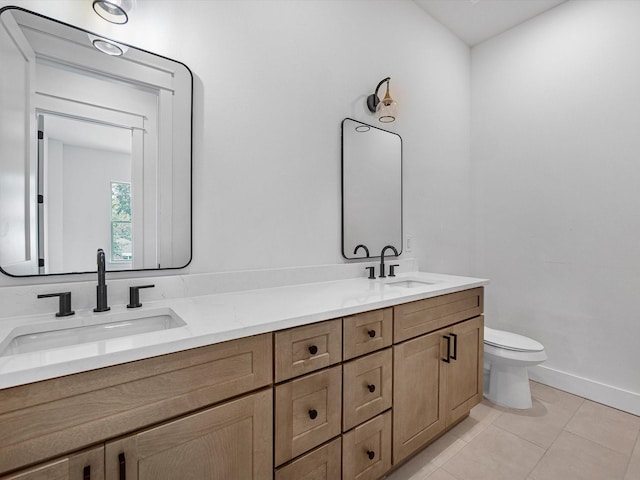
[{"x": 348, "y": 390}]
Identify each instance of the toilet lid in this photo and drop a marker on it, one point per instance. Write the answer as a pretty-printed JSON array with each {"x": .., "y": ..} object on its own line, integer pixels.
[{"x": 511, "y": 341}]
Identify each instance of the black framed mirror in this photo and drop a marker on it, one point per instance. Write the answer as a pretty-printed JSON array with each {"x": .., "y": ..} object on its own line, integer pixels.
[
  {"x": 371, "y": 190},
  {"x": 95, "y": 151}
]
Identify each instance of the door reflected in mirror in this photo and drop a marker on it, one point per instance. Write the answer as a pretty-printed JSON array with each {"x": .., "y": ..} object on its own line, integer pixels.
[
  {"x": 371, "y": 190},
  {"x": 95, "y": 152}
]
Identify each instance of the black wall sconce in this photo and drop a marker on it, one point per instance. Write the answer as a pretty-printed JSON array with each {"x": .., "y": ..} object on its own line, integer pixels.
[{"x": 386, "y": 109}]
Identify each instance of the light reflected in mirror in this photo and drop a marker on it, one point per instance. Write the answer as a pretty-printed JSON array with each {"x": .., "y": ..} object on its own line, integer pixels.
[
  {"x": 371, "y": 189},
  {"x": 95, "y": 152}
]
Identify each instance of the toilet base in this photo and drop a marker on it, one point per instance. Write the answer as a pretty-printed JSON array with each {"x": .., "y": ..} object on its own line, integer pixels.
[{"x": 508, "y": 386}]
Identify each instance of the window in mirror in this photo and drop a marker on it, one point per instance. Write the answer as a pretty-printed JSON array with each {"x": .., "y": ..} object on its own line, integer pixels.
[{"x": 121, "y": 238}]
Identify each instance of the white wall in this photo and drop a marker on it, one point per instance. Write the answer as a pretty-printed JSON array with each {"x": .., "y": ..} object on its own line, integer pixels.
[
  {"x": 86, "y": 219},
  {"x": 273, "y": 81},
  {"x": 556, "y": 175}
]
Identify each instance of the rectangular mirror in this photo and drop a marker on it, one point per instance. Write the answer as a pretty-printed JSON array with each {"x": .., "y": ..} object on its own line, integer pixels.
[
  {"x": 95, "y": 151},
  {"x": 371, "y": 190}
]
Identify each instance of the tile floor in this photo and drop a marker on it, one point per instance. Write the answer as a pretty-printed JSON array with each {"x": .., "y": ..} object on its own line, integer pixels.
[{"x": 563, "y": 437}]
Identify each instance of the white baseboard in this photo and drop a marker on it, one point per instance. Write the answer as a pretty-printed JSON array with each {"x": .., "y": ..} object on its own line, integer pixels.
[{"x": 598, "y": 392}]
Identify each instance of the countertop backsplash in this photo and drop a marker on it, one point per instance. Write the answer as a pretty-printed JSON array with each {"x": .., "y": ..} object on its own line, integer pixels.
[{"x": 22, "y": 300}]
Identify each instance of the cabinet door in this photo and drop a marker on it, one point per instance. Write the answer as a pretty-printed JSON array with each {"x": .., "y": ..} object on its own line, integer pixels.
[
  {"x": 418, "y": 396},
  {"x": 307, "y": 348},
  {"x": 323, "y": 463},
  {"x": 87, "y": 465},
  {"x": 463, "y": 374},
  {"x": 366, "y": 450},
  {"x": 367, "y": 388},
  {"x": 232, "y": 441},
  {"x": 367, "y": 332},
  {"x": 308, "y": 412}
]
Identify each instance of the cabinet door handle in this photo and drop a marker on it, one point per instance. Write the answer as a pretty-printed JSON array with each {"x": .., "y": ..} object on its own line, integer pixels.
[
  {"x": 371, "y": 333},
  {"x": 313, "y": 349},
  {"x": 313, "y": 414},
  {"x": 455, "y": 346},
  {"x": 371, "y": 388},
  {"x": 86, "y": 473},
  {"x": 371, "y": 454},
  {"x": 448, "y": 349},
  {"x": 122, "y": 467}
]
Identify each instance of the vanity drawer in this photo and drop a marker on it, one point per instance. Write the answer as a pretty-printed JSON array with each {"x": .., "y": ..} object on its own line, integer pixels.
[
  {"x": 367, "y": 332},
  {"x": 47, "y": 419},
  {"x": 307, "y": 413},
  {"x": 366, "y": 450},
  {"x": 416, "y": 318},
  {"x": 324, "y": 463},
  {"x": 308, "y": 348},
  {"x": 367, "y": 387}
]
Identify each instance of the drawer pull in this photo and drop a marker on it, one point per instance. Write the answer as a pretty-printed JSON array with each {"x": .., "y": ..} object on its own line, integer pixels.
[
  {"x": 122, "y": 467},
  {"x": 371, "y": 454},
  {"x": 447, "y": 360},
  {"x": 313, "y": 414},
  {"x": 313, "y": 349},
  {"x": 372, "y": 333},
  {"x": 371, "y": 388},
  {"x": 455, "y": 346},
  {"x": 86, "y": 473}
]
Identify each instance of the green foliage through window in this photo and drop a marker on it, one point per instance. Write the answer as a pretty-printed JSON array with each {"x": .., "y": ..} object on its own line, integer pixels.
[{"x": 121, "y": 231}]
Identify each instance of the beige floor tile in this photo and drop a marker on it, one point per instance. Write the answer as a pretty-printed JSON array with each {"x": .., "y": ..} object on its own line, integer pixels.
[
  {"x": 605, "y": 425},
  {"x": 430, "y": 459},
  {"x": 415, "y": 469},
  {"x": 481, "y": 416},
  {"x": 542, "y": 423},
  {"x": 633, "y": 470},
  {"x": 441, "y": 475},
  {"x": 572, "y": 457},
  {"x": 550, "y": 395},
  {"x": 495, "y": 454}
]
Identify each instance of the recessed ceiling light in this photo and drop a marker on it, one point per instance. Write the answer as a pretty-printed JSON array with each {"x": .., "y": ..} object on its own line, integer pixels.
[
  {"x": 108, "y": 46},
  {"x": 114, "y": 11}
]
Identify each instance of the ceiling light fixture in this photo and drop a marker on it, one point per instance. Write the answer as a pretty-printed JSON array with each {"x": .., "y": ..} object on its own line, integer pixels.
[
  {"x": 387, "y": 109},
  {"x": 114, "y": 11}
]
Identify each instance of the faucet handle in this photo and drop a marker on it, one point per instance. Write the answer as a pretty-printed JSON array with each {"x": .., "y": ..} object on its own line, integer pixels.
[
  {"x": 64, "y": 309},
  {"x": 134, "y": 295},
  {"x": 372, "y": 272},
  {"x": 392, "y": 272}
]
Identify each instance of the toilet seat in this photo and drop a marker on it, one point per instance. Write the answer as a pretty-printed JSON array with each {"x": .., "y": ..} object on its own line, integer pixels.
[{"x": 511, "y": 341}]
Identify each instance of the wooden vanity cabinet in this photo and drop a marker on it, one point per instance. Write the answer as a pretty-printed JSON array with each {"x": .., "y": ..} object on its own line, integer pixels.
[
  {"x": 341, "y": 399},
  {"x": 437, "y": 380},
  {"x": 51, "y": 420},
  {"x": 229, "y": 441},
  {"x": 85, "y": 465}
]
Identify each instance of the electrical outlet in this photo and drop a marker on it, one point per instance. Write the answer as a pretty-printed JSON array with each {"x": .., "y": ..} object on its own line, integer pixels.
[{"x": 409, "y": 243}]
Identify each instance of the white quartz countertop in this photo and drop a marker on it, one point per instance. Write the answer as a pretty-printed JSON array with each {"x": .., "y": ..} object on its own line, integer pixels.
[{"x": 211, "y": 319}]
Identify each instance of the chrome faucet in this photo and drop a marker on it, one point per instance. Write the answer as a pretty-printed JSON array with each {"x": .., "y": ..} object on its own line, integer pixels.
[
  {"x": 382, "y": 274},
  {"x": 102, "y": 284}
]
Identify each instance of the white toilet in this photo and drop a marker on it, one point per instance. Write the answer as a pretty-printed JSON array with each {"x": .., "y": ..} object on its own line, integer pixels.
[{"x": 506, "y": 358}]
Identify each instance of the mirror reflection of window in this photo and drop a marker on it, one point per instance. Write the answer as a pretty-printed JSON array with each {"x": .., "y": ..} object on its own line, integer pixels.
[{"x": 121, "y": 230}]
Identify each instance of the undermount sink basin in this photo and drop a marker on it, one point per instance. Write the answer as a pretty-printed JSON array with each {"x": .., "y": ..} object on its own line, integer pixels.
[
  {"x": 409, "y": 283},
  {"x": 76, "y": 331}
]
